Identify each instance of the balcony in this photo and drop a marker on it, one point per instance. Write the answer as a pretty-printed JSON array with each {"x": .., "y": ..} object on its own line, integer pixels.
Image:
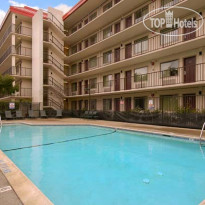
[
  {"x": 50, "y": 81},
  {"x": 19, "y": 72},
  {"x": 143, "y": 50},
  {"x": 49, "y": 60},
  {"x": 21, "y": 30},
  {"x": 20, "y": 51},
  {"x": 182, "y": 76},
  {"x": 47, "y": 37},
  {"x": 22, "y": 93}
]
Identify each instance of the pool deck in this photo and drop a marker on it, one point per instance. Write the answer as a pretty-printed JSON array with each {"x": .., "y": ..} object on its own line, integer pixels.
[{"x": 25, "y": 192}]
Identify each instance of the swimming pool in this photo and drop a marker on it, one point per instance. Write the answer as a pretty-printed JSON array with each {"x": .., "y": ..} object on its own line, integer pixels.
[{"x": 114, "y": 168}]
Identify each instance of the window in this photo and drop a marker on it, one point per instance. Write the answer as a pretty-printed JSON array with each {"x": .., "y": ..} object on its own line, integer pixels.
[
  {"x": 107, "y": 81},
  {"x": 93, "y": 105},
  {"x": 74, "y": 49},
  {"x": 107, "y": 104},
  {"x": 140, "y": 103},
  {"x": 169, "y": 36},
  {"x": 85, "y": 21},
  {"x": 73, "y": 69},
  {"x": 140, "y": 74},
  {"x": 93, "y": 39},
  {"x": 117, "y": 1},
  {"x": 107, "y": 32},
  {"x": 168, "y": 3},
  {"x": 170, "y": 68},
  {"x": 117, "y": 27},
  {"x": 86, "y": 43},
  {"x": 73, "y": 30},
  {"x": 93, "y": 16},
  {"x": 107, "y": 57},
  {"x": 189, "y": 101},
  {"x": 93, "y": 83},
  {"x": 168, "y": 102},
  {"x": 107, "y": 6},
  {"x": 74, "y": 87},
  {"x": 128, "y": 22},
  {"x": 141, "y": 45},
  {"x": 141, "y": 13},
  {"x": 93, "y": 62}
]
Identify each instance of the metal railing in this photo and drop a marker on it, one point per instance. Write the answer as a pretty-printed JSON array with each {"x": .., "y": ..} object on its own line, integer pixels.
[
  {"x": 56, "y": 22},
  {"x": 20, "y": 50},
  {"x": 153, "y": 6},
  {"x": 51, "y": 81},
  {"x": 50, "y": 38},
  {"x": 133, "y": 50},
  {"x": 181, "y": 75},
  {"x": 24, "y": 92},
  {"x": 16, "y": 29},
  {"x": 50, "y": 102},
  {"x": 19, "y": 71},
  {"x": 201, "y": 135},
  {"x": 51, "y": 60}
]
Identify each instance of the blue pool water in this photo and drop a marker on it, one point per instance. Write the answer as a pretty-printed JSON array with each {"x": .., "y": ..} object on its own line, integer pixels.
[{"x": 123, "y": 168}]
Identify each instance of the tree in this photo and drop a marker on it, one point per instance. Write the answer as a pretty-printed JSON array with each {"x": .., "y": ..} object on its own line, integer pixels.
[{"x": 6, "y": 85}]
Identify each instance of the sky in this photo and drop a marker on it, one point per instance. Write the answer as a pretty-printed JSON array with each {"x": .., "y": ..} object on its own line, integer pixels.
[{"x": 63, "y": 5}]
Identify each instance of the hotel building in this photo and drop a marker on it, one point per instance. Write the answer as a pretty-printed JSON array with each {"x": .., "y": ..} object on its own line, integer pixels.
[{"x": 100, "y": 56}]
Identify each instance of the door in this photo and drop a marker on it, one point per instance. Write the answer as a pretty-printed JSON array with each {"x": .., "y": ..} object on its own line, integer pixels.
[
  {"x": 80, "y": 88},
  {"x": 86, "y": 65},
  {"x": 80, "y": 67},
  {"x": 128, "y": 21},
  {"x": 190, "y": 69},
  {"x": 117, "y": 82},
  {"x": 128, "y": 105},
  {"x": 86, "y": 87},
  {"x": 117, "y": 54},
  {"x": 117, "y": 27},
  {"x": 117, "y": 104},
  {"x": 128, "y": 80},
  {"x": 80, "y": 105},
  {"x": 189, "y": 101},
  {"x": 128, "y": 51},
  {"x": 191, "y": 32}
]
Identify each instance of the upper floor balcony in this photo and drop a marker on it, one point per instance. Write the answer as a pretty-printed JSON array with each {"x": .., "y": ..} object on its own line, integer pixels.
[
  {"x": 190, "y": 74},
  {"x": 19, "y": 72},
  {"x": 22, "y": 52},
  {"x": 19, "y": 30},
  {"x": 128, "y": 20},
  {"x": 140, "y": 50},
  {"x": 49, "y": 38},
  {"x": 22, "y": 93}
]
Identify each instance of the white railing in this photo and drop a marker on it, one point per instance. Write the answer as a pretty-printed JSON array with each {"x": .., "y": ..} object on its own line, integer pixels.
[{"x": 201, "y": 135}]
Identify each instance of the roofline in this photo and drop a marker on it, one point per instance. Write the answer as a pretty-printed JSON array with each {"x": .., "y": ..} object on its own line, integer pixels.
[{"x": 75, "y": 8}]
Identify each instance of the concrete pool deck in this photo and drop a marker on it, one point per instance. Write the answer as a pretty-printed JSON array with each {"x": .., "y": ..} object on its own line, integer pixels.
[{"x": 27, "y": 193}]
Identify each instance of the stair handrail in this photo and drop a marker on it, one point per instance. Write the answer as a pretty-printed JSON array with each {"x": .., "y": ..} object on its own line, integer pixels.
[{"x": 201, "y": 135}]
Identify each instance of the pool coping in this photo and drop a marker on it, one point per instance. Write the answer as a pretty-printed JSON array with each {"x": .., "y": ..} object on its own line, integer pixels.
[
  {"x": 162, "y": 134},
  {"x": 25, "y": 189}
]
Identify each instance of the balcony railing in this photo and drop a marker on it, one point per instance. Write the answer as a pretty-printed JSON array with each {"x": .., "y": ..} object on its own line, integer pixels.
[
  {"x": 19, "y": 71},
  {"x": 50, "y": 38},
  {"x": 178, "y": 76},
  {"x": 51, "y": 81},
  {"x": 153, "y": 4},
  {"x": 50, "y": 102},
  {"x": 16, "y": 29},
  {"x": 20, "y": 50},
  {"x": 155, "y": 43},
  {"x": 51, "y": 60},
  {"x": 90, "y": 17},
  {"x": 24, "y": 92},
  {"x": 56, "y": 22}
]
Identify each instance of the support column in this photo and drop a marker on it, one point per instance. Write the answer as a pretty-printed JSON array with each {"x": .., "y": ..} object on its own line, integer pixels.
[{"x": 37, "y": 58}]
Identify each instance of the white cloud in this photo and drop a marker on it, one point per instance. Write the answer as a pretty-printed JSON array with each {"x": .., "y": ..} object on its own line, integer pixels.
[
  {"x": 2, "y": 15},
  {"x": 63, "y": 7},
  {"x": 15, "y": 3}
]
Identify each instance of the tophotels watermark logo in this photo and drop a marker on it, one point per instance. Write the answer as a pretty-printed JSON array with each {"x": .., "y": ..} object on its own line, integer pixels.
[{"x": 169, "y": 21}]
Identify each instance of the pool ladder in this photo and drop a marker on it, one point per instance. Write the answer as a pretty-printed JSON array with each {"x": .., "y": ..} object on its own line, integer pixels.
[{"x": 201, "y": 135}]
